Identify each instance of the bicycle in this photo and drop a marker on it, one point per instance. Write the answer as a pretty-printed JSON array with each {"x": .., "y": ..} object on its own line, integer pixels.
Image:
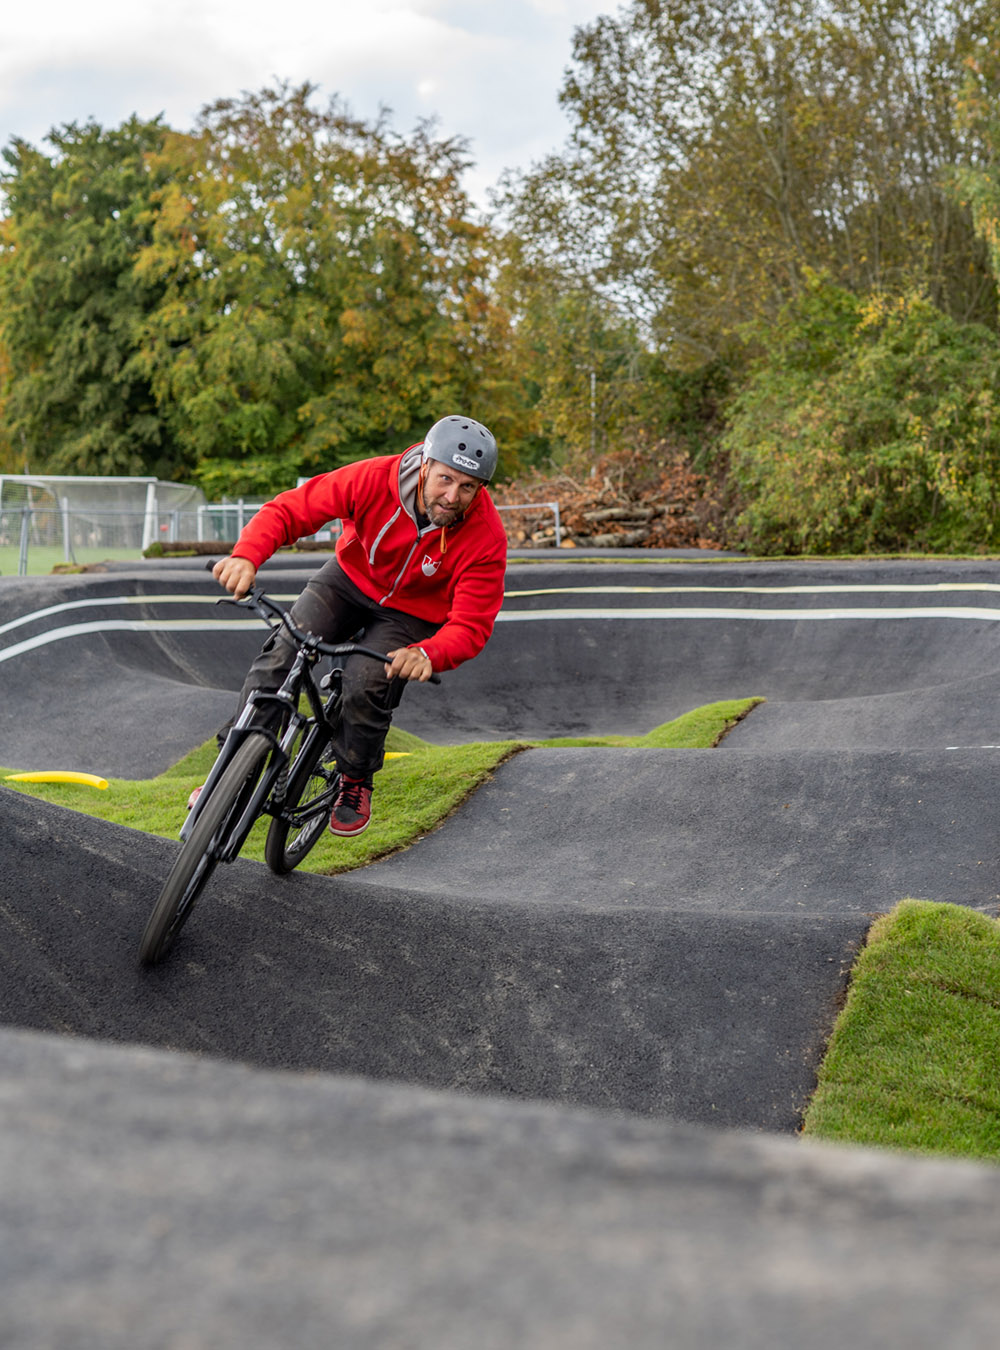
[{"x": 275, "y": 761}]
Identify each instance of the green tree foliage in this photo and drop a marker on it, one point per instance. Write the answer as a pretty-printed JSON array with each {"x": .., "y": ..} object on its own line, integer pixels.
[
  {"x": 977, "y": 177},
  {"x": 71, "y": 303},
  {"x": 575, "y": 363},
  {"x": 9, "y": 461},
  {"x": 282, "y": 290},
  {"x": 723, "y": 148},
  {"x": 323, "y": 290},
  {"x": 582, "y": 378},
  {"x": 870, "y": 424}
]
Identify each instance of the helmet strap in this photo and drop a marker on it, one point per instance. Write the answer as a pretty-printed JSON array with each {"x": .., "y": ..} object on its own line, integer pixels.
[{"x": 421, "y": 505}]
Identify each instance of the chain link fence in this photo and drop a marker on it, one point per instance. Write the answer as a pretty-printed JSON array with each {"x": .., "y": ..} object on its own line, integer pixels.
[
  {"x": 48, "y": 519},
  {"x": 36, "y": 539}
]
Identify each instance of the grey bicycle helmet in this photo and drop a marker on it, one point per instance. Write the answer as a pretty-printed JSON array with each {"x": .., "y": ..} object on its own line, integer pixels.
[{"x": 464, "y": 444}]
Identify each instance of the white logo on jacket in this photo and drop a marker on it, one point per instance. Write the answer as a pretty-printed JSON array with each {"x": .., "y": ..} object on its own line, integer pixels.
[{"x": 429, "y": 565}]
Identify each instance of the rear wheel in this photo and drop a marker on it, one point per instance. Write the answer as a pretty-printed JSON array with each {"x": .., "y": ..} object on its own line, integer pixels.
[
  {"x": 202, "y": 847},
  {"x": 308, "y": 778}
]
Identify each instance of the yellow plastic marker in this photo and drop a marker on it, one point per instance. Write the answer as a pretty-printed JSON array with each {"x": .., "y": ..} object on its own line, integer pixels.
[
  {"x": 58, "y": 776},
  {"x": 397, "y": 754}
]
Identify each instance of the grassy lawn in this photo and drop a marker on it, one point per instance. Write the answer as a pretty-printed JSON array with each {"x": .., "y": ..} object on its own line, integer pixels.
[
  {"x": 913, "y": 1059},
  {"x": 415, "y": 792},
  {"x": 44, "y": 558}
]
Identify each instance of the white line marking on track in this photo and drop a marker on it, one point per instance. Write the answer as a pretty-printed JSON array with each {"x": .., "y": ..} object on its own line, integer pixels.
[
  {"x": 126, "y": 626},
  {"x": 966, "y": 612},
  {"x": 879, "y": 589},
  {"x": 117, "y": 600},
  {"x": 941, "y": 586}
]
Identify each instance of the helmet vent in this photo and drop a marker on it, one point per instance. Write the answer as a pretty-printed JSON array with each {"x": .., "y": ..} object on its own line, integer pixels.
[{"x": 464, "y": 443}]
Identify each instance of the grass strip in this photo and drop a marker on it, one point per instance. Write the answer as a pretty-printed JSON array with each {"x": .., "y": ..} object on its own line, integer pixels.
[
  {"x": 414, "y": 793},
  {"x": 912, "y": 1062},
  {"x": 701, "y": 729}
]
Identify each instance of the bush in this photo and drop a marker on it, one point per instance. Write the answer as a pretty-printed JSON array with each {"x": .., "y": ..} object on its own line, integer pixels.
[{"x": 869, "y": 425}]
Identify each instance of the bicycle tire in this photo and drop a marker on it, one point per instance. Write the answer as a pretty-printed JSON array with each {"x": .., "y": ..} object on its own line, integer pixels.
[
  {"x": 306, "y": 779},
  {"x": 199, "y": 856}
]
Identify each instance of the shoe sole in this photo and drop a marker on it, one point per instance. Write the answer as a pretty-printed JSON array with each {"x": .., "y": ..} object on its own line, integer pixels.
[{"x": 348, "y": 833}]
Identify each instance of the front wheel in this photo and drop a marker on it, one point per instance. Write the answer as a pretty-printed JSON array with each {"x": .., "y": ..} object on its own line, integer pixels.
[
  {"x": 287, "y": 842},
  {"x": 202, "y": 847}
]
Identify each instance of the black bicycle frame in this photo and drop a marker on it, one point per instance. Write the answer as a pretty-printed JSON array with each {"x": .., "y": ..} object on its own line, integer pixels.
[
  {"x": 249, "y": 723},
  {"x": 284, "y": 703}
]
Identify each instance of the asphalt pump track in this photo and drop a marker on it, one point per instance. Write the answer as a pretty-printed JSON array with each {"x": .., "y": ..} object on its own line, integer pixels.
[{"x": 662, "y": 935}]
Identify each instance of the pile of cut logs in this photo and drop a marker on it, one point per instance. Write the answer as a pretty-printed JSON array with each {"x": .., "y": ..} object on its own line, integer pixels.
[{"x": 655, "y": 507}]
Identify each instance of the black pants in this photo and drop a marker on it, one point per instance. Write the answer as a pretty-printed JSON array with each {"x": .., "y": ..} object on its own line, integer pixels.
[{"x": 332, "y": 608}]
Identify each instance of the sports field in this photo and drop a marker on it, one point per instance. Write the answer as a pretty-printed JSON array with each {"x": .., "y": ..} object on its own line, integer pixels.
[{"x": 44, "y": 558}]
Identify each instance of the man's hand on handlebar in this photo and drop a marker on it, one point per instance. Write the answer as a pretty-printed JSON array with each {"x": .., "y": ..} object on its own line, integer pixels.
[
  {"x": 236, "y": 574},
  {"x": 405, "y": 663},
  {"x": 409, "y": 663}
]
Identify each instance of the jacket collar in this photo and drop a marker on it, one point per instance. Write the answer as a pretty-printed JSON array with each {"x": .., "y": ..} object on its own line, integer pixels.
[{"x": 409, "y": 475}]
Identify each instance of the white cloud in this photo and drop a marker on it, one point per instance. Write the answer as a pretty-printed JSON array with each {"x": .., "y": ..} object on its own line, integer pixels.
[{"x": 489, "y": 70}]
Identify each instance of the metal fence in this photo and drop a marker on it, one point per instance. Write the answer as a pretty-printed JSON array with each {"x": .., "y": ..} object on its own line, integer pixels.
[
  {"x": 35, "y": 539},
  {"x": 537, "y": 537}
]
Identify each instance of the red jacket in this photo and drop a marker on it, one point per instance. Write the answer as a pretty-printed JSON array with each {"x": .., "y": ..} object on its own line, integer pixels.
[{"x": 453, "y": 577}]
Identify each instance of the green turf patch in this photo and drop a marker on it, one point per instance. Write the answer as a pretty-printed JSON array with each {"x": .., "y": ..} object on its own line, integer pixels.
[
  {"x": 701, "y": 729},
  {"x": 414, "y": 793},
  {"x": 912, "y": 1062}
]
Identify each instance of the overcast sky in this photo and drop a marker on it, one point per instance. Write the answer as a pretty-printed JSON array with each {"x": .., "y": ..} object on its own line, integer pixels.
[{"x": 489, "y": 70}]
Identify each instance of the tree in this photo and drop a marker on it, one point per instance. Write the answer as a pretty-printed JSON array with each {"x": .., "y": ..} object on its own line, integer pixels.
[
  {"x": 870, "y": 424},
  {"x": 8, "y": 455},
  {"x": 71, "y": 302},
  {"x": 323, "y": 290},
  {"x": 977, "y": 177},
  {"x": 573, "y": 360},
  {"x": 722, "y": 149},
  {"x": 582, "y": 379}
]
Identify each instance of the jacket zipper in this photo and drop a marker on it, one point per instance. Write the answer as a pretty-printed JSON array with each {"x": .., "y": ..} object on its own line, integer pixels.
[
  {"x": 381, "y": 534},
  {"x": 409, "y": 557}
]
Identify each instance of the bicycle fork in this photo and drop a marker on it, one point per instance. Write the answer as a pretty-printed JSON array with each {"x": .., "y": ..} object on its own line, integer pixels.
[{"x": 250, "y": 723}]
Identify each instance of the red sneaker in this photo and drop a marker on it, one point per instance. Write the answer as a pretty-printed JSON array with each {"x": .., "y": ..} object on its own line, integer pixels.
[
  {"x": 352, "y": 808},
  {"x": 194, "y": 796}
]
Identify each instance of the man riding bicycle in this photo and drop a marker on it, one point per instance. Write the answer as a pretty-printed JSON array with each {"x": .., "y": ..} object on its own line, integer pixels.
[{"x": 419, "y": 566}]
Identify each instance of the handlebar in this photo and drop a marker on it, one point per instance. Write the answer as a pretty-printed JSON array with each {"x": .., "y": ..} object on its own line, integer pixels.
[{"x": 263, "y": 606}]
